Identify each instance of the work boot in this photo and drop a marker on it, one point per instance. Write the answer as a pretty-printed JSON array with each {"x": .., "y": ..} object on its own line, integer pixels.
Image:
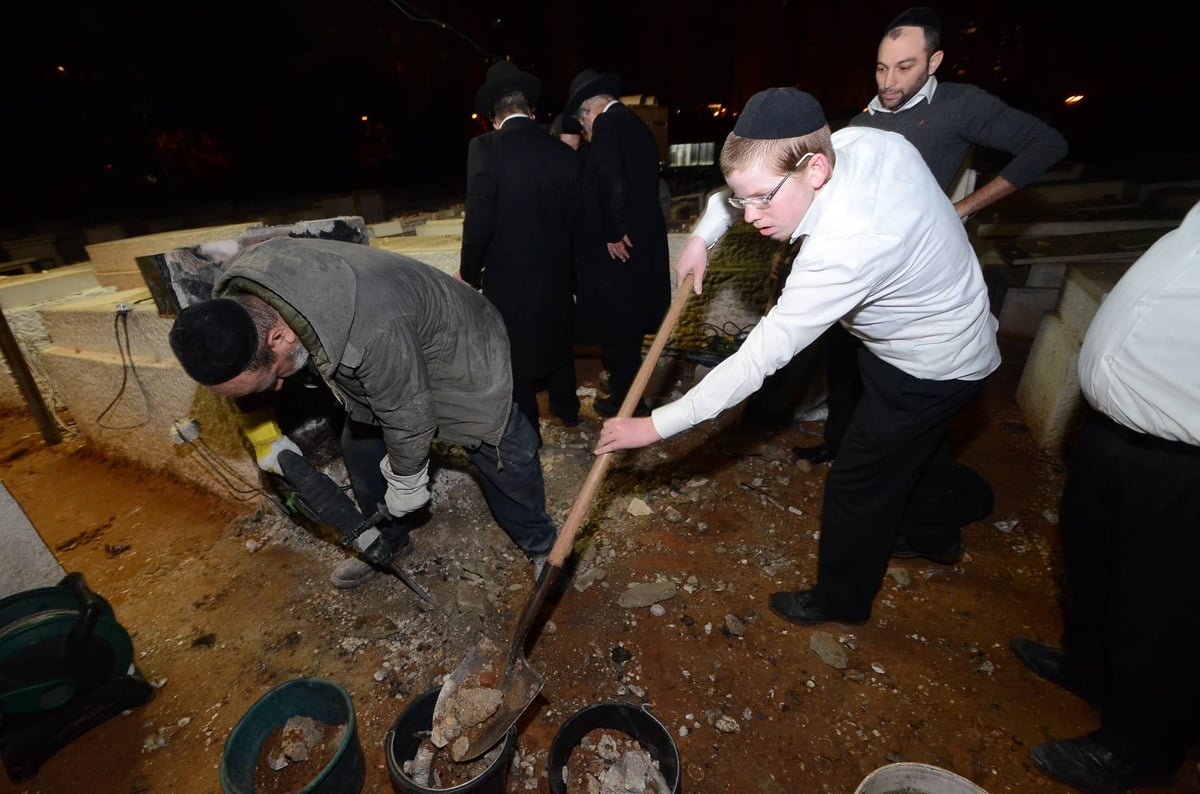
[{"x": 354, "y": 571}]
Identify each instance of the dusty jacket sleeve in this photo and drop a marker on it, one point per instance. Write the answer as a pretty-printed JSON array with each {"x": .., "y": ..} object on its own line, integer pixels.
[
  {"x": 479, "y": 211},
  {"x": 396, "y": 383},
  {"x": 1034, "y": 144}
]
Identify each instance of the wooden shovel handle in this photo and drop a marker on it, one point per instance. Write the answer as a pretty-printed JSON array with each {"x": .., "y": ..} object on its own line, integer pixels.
[{"x": 583, "y": 502}]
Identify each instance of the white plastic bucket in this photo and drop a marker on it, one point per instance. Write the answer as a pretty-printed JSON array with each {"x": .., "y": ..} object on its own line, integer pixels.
[{"x": 913, "y": 778}]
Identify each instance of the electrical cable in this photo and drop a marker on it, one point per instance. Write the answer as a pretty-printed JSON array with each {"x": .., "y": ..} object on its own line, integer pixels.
[
  {"x": 121, "y": 323},
  {"x": 220, "y": 468}
]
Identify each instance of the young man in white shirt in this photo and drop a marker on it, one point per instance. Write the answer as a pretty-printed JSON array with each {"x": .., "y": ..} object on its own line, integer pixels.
[{"x": 887, "y": 256}]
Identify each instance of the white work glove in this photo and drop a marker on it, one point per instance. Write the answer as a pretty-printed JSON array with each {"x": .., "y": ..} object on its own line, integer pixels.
[
  {"x": 267, "y": 454},
  {"x": 405, "y": 492}
]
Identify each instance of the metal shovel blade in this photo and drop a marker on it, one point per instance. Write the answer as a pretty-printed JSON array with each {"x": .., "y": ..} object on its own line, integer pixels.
[
  {"x": 483, "y": 698},
  {"x": 489, "y": 690}
]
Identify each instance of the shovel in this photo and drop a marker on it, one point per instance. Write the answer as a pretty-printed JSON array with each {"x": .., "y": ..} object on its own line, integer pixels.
[{"x": 487, "y": 693}]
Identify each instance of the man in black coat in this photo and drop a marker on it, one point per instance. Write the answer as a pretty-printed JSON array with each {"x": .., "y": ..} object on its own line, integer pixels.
[
  {"x": 522, "y": 210},
  {"x": 623, "y": 276}
]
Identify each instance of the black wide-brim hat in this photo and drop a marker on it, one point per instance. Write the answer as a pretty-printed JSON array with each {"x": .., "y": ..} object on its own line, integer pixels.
[
  {"x": 504, "y": 77},
  {"x": 590, "y": 83}
]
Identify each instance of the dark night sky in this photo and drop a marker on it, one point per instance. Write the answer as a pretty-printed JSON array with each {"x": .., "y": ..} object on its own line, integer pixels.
[{"x": 158, "y": 108}]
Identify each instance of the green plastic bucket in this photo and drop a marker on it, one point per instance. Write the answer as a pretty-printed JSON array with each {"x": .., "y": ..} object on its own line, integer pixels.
[{"x": 317, "y": 698}]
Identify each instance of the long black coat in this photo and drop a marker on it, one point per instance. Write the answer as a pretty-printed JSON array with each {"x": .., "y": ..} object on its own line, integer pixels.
[
  {"x": 522, "y": 210},
  {"x": 616, "y": 300}
]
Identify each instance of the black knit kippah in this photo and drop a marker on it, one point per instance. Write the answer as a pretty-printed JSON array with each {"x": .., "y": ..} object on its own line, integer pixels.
[
  {"x": 214, "y": 340},
  {"x": 780, "y": 113},
  {"x": 917, "y": 16}
]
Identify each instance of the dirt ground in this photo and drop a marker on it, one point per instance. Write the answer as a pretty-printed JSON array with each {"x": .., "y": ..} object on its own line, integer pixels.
[{"x": 226, "y": 599}]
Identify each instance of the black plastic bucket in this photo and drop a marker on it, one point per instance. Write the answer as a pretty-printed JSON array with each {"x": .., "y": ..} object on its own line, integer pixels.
[
  {"x": 635, "y": 722},
  {"x": 322, "y": 700},
  {"x": 414, "y": 723}
]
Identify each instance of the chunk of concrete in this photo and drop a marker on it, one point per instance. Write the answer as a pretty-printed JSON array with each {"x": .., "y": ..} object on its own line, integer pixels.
[{"x": 1048, "y": 393}]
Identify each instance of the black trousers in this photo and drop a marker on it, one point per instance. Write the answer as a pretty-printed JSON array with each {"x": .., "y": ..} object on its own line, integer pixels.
[
  {"x": 622, "y": 360},
  {"x": 843, "y": 383},
  {"x": 893, "y": 470},
  {"x": 1130, "y": 522},
  {"x": 560, "y": 388}
]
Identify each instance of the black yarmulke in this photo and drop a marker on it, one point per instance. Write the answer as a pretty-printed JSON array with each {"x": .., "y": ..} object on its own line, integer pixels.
[
  {"x": 214, "y": 340},
  {"x": 917, "y": 16},
  {"x": 780, "y": 113}
]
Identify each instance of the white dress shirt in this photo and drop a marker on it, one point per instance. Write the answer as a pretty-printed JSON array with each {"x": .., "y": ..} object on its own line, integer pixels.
[
  {"x": 925, "y": 94},
  {"x": 885, "y": 254},
  {"x": 1140, "y": 361}
]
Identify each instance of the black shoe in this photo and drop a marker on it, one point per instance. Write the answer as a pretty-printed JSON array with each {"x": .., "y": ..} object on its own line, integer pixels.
[
  {"x": 971, "y": 497},
  {"x": 610, "y": 406},
  {"x": 1051, "y": 664},
  {"x": 573, "y": 422},
  {"x": 803, "y": 608},
  {"x": 950, "y": 555},
  {"x": 1086, "y": 764},
  {"x": 818, "y": 454}
]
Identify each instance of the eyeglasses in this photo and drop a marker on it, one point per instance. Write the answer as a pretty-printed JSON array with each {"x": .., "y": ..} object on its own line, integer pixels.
[{"x": 764, "y": 201}]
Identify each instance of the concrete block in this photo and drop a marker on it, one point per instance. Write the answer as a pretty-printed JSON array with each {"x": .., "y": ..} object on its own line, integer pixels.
[
  {"x": 1042, "y": 195},
  {"x": 441, "y": 251},
  {"x": 1048, "y": 393},
  {"x": 120, "y": 256},
  {"x": 92, "y": 324},
  {"x": 1084, "y": 289},
  {"x": 1062, "y": 228},
  {"x": 440, "y": 227},
  {"x": 1023, "y": 309},
  {"x": 132, "y": 413},
  {"x": 34, "y": 288},
  {"x": 392, "y": 228},
  {"x": 1050, "y": 274},
  {"x": 29, "y": 329}
]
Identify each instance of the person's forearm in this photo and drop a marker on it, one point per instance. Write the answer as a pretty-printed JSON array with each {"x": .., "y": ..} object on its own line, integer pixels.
[{"x": 985, "y": 196}]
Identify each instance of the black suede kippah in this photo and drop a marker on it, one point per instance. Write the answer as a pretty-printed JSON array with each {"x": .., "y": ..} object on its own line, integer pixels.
[
  {"x": 917, "y": 16},
  {"x": 214, "y": 340},
  {"x": 780, "y": 113}
]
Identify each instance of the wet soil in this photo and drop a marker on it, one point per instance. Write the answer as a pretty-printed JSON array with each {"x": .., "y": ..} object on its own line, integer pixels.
[{"x": 224, "y": 600}]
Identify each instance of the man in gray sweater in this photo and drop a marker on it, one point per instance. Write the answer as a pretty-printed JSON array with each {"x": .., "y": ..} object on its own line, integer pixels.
[{"x": 944, "y": 121}]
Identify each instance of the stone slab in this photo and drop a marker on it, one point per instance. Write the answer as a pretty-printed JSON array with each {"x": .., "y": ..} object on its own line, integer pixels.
[
  {"x": 1062, "y": 228},
  {"x": 1023, "y": 309},
  {"x": 120, "y": 256},
  {"x": 93, "y": 324},
  {"x": 440, "y": 226},
  {"x": 133, "y": 413},
  {"x": 1084, "y": 289},
  {"x": 27, "y": 562},
  {"x": 27, "y": 290},
  {"x": 1048, "y": 393}
]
